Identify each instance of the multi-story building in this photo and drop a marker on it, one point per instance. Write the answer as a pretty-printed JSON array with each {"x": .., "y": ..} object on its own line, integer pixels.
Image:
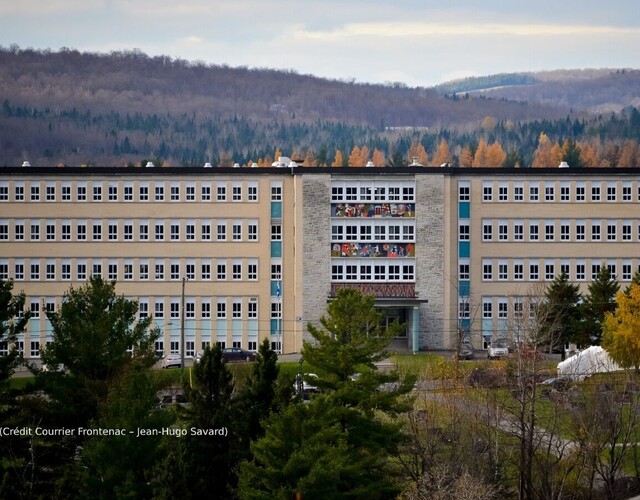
[{"x": 256, "y": 253}]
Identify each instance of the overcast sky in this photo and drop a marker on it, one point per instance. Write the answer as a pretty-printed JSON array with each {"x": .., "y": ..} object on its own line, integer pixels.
[{"x": 419, "y": 43}]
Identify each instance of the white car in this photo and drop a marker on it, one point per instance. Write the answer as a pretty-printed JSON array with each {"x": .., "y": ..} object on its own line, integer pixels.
[
  {"x": 498, "y": 349},
  {"x": 172, "y": 360}
]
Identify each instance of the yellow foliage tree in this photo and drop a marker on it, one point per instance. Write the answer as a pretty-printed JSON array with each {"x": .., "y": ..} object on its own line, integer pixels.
[
  {"x": 629, "y": 155},
  {"x": 466, "y": 158},
  {"x": 621, "y": 329},
  {"x": 277, "y": 154},
  {"x": 364, "y": 155},
  {"x": 378, "y": 158},
  {"x": 337, "y": 160},
  {"x": 354, "y": 158},
  {"x": 443, "y": 155},
  {"x": 309, "y": 158},
  {"x": 418, "y": 151},
  {"x": 542, "y": 155},
  {"x": 480, "y": 158},
  {"x": 495, "y": 155},
  {"x": 557, "y": 153},
  {"x": 589, "y": 154}
]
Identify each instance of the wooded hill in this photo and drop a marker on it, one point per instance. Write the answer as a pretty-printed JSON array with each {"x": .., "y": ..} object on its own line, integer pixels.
[{"x": 122, "y": 108}]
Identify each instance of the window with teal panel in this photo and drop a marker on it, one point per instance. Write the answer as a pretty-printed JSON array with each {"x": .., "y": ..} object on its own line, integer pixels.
[
  {"x": 464, "y": 249},
  {"x": 276, "y": 210},
  {"x": 464, "y": 209}
]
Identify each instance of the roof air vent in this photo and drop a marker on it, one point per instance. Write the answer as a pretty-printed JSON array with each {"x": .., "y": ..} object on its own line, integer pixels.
[
  {"x": 150, "y": 164},
  {"x": 207, "y": 165},
  {"x": 369, "y": 164},
  {"x": 26, "y": 164},
  {"x": 563, "y": 164}
]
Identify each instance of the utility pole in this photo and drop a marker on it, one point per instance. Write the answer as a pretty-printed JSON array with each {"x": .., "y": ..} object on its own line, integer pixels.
[{"x": 182, "y": 315}]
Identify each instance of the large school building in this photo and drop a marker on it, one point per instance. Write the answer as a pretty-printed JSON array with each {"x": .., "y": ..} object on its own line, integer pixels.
[{"x": 236, "y": 255}]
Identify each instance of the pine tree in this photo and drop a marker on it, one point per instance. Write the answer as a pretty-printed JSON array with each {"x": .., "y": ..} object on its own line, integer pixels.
[
  {"x": 562, "y": 312},
  {"x": 600, "y": 299}
]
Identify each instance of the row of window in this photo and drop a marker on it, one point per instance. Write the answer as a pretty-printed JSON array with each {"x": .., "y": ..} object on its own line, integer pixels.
[
  {"x": 129, "y": 230},
  {"x": 367, "y": 191},
  {"x": 547, "y": 269},
  {"x": 554, "y": 230},
  {"x": 380, "y": 231},
  {"x": 174, "y": 346},
  {"x": 365, "y": 271},
  {"x": 35, "y": 269},
  {"x": 141, "y": 192},
  {"x": 513, "y": 307},
  {"x": 552, "y": 191}
]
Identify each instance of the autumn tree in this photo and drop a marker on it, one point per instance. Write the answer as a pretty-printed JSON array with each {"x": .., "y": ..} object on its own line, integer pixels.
[
  {"x": 571, "y": 153},
  {"x": 480, "y": 158},
  {"x": 442, "y": 154},
  {"x": 542, "y": 154},
  {"x": 495, "y": 155},
  {"x": 418, "y": 151},
  {"x": 337, "y": 160},
  {"x": 629, "y": 154},
  {"x": 378, "y": 158},
  {"x": 621, "y": 329},
  {"x": 354, "y": 158},
  {"x": 466, "y": 157},
  {"x": 589, "y": 154}
]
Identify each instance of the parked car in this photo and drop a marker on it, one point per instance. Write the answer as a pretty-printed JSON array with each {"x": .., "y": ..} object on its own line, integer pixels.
[
  {"x": 498, "y": 349},
  {"x": 237, "y": 354},
  {"x": 303, "y": 387},
  {"x": 172, "y": 360},
  {"x": 466, "y": 351}
]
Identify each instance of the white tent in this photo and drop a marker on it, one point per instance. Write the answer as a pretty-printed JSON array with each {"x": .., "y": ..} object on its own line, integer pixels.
[{"x": 592, "y": 360}]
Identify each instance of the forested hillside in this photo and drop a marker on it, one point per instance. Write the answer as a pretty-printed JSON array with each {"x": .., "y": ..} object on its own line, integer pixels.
[{"x": 123, "y": 108}]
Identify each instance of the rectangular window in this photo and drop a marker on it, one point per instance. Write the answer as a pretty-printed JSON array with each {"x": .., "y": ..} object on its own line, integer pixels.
[
  {"x": 549, "y": 193},
  {"x": 549, "y": 271},
  {"x": 65, "y": 271},
  {"x": 503, "y": 273},
  {"x": 97, "y": 193},
  {"x": 503, "y": 231},
  {"x": 158, "y": 309},
  {"x": 174, "y": 229},
  {"x": 221, "y": 273},
  {"x": 4, "y": 230},
  {"x": 97, "y": 231},
  {"x": 487, "y": 309},
  {"x": 549, "y": 231},
  {"x": 487, "y": 192},
  {"x": 35, "y": 193},
  {"x": 50, "y": 193},
  {"x": 4, "y": 192},
  {"x": 518, "y": 231},
  {"x": 463, "y": 271},
  {"x": 626, "y": 231},
  {"x": 533, "y": 192},
  {"x": 276, "y": 193},
  {"x": 408, "y": 233},
  {"x": 236, "y": 193},
  {"x": 276, "y": 271},
  {"x": 564, "y": 193},
  {"x": 174, "y": 271},
  {"x": 252, "y": 308},
  {"x": 236, "y": 231},
  {"x": 518, "y": 193},
  {"x": 190, "y": 309},
  {"x": 595, "y": 193},
  {"x": 205, "y": 192},
  {"x": 252, "y": 231},
  {"x": 112, "y": 271},
  {"x": 236, "y": 311},
  {"x": 81, "y": 271},
  {"x": 626, "y": 272},
  {"x": 487, "y": 271},
  {"x": 487, "y": 231},
  {"x": 503, "y": 193},
  {"x": 221, "y": 309},
  {"x": 81, "y": 193},
  {"x": 534, "y": 271},
  {"x": 394, "y": 233},
  {"x": 611, "y": 193},
  {"x": 394, "y": 272},
  {"x": 580, "y": 231},
  {"x": 113, "y": 231},
  {"x": 464, "y": 192},
  {"x": 18, "y": 273},
  {"x": 580, "y": 271},
  {"x": 143, "y": 309},
  {"x": 66, "y": 192},
  {"x": 19, "y": 230},
  {"x": 128, "y": 193},
  {"x": 159, "y": 196},
  {"x": 595, "y": 271},
  {"x": 276, "y": 232},
  {"x": 221, "y": 191},
  {"x": 626, "y": 192},
  {"x": 174, "y": 193},
  {"x": 97, "y": 270},
  {"x": 337, "y": 271},
  {"x": 408, "y": 272},
  {"x": 252, "y": 193},
  {"x": 565, "y": 231},
  {"x": 113, "y": 192},
  {"x": 144, "y": 231},
  {"x": 159, "y": 274},
  {"x": 128, "y": 231},
  {"x": 580, "y": 192},
  {"x": 518, "y": 271},
  {"x": 205, "y": 231},
  {"x": 66, "y": 231},
  {"x": 19, "y": 193},
  {"x": 50, "y": 269},
  {"x": 595, "y": 231},
  {"x": 128, "y": 271},
  {"x": 503, "y": 308},
  {"x": 174, "y": 309},
  {"x": 143, "y": 193},
  {"x": 143, "y": 268},
  {"x": 51, "y": 230},
  {"x": 236, "y": 271},
  {"x": 611, "y": 231},
  {"x": 205, "y": 309},
  {"x": 533, "y": 231},
  {"x": 35, "y": 230},
  {"x": 222, "y": 231},
  {"x": 252, "y": 271},
  {"x": 159, "y": 231}
]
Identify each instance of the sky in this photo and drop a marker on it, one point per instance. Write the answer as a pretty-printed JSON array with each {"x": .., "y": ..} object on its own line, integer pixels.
[{"x": 417, "y": 43}]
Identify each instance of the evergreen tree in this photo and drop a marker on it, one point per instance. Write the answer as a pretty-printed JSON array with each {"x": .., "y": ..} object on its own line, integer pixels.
[
  {"x": 13, "y": 321},
  {"x": 562, "y": 312},
  {"x": 600, "y": 299},
  {"x": 202, "y": 463},
  {"x": 339, "y": 444}
]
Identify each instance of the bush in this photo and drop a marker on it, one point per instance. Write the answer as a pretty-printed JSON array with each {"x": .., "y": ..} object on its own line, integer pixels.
[{"x": 489, "y": 378}]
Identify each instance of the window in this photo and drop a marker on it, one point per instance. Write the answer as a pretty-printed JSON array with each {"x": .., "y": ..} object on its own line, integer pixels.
[
  {"x": 35, "y": 230},
  {"x": 143, "y": 268},
  {"x": 190, "y": 309},
  {"x": 97, "y": 192},
  {"x": 518, "y": 271},
  {"x": 337, "y": 271},
  {"x": 65, "y": 271},
  {"x": 464, "y": 308},
  {"x": 96, "y": 230},
  {"x": 51, "y": 230},
  {"x": 236, "y": 271},
  {"x": 205, "y": 192},
  {"x": 487, "y": 270},
  {"x": 221, "y": 309},
  {"x": 595, "y": 231},
  {"x": 580, "y": 192},
  {"x": 66, "y": 192},
  {"x": 159, "y": 274},
  {"x": 35, "y": 193},
  {"x": 19, "y": 192},
  {"x": 252, "y": 231},
  {"x": 174, "y": 229},
  {"x": 564, "y": 193},
  {"x": 626, "y": 192},
  {"x": 159, "y": 231},
  {"x": 595, "y": 192},
  {"x": 611, "y": 231},
  {"x": 236, "y": 193},
  {"x": 174, "y": 193},
  {"x": 174, "y": 271},
  {"x": 408, "y": 193},
  {"x": 113, "y": 230},
  {"x": 626, "y": 230},
  {"x": 503, "y": 308},
  {"x": 190, "y": 230},
  {"x": 205, "y": 271},
  {"x": 97, "y": 269},
  {"x": 408, "y": 233},
  {"x": 143, "y": 308},
  {"x": 50, "y": 193},
  {"x": 252, "y": 308},
  {"x": 158, "y": 309},
  {"x": 276, "y": 193},
  {"x": 128, "y": 270},
  {"x": 626, "y": 271},
  {"x": 464, "y": 192},
  {"x": 463, "y": 271},
  {"x": 611, "y": 192},
  {"x": 549, "y": 271},
  {"x": 205, "y": 309},
  {"x": 19, "y": 230},
  {"x": 503, "y": 273},
  {"x": 221, "y": 273},
  {"x": 503, "y": 193},
  {"x": 487, "y": 192},
  {"x": 533, "y": 231},
  {"x": 487, "y": 308},
  {"x": 221, "y": 192},
  {"x": 394, "y": 272},
  {"x": 580, "y": 231},
  {"x": 565, "y": 231},
  {"x": 365, "y": 272},
  {"x": 394, "y": 233},
  {"x": 128, "y": 230},
  {"x": 174, "y": 309},
  {"x": 222, "y": 231},
  {"x": 487, "y": 231},
  {"x": 35, "y": 309},
  {"x": 112, "y": 271},
  {"x": 534, "y": 272},
  {"x": 518, "y": 231},
  {"x": 143, "y": 231},
  {"x": 50, "y": 271},
  {"x": 205, "y": 230},
  {"x": 549, "y": 192},
  {"x": 4, "y": 230},
  {"x": 236, "y": 229},
  {"x": 252, "y": 192},
  {"x": 595, "y": 271},
  {"x": 549, "y": 231},
  {"x": 518, "y": 193},
  {"x": 35, "y": 271},
  {"x": 503, "y": 231},
  {"x": 66, "y": 230},
  {"x": 81, "y": 192},
  {"x": 4, "y": 192},
  {"x": 113, "y": 192},
  {"x": 81, "y": 271},
  {"x": 128, "y": 192},
  {"x": 580, "y": 271},
  {"x": 236, "y": 309},
  {"x": 18, "y": 273},
  {"x": 276, "y": 232},
  {"x": 276, "y": 271},
  {"x": 159, "y": 190},
  {"x": 533, "y": 192},
  {"x": 252, "y": 271},
  {"x": 143, "y": 192}
]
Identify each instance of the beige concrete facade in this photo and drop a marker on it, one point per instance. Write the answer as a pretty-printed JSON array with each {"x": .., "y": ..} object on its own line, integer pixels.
[{"x": 444, "y": 250}]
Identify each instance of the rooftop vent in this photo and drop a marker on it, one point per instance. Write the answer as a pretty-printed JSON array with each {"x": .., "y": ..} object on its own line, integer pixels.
[
  {"x": 150, "y": 164},
  {"x": 254, "y": 165},
  {"x": 26, "y": 164},
  {"x": 415, "y": 163},
  {"x": 236, "y": 165},
  {"x": 563, "y": 164},
  {"x": 283, "y": 161},
  {"x": 369, "y": 164},
  {"x": 207, "y": 165}
]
